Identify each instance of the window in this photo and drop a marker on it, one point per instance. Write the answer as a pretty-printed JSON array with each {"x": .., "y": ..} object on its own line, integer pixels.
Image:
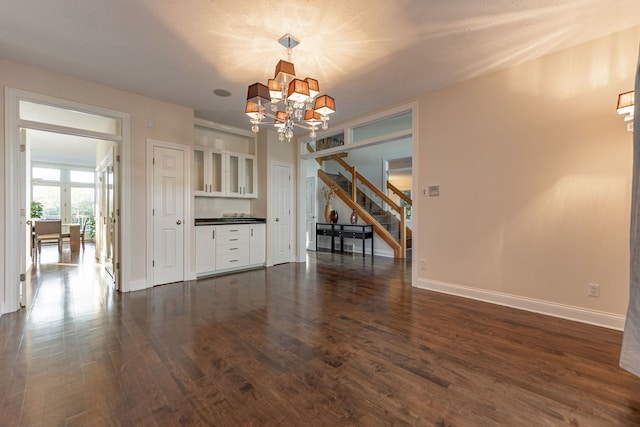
[
  {"x": 45, "y": 174},
  {"x": 83, "y": 177},
  {"x": 49, "y": 196},
  {"x": 65, "y": 193}
]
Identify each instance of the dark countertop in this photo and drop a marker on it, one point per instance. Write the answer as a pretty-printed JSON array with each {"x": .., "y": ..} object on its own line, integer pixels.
[{"x": 228, "y": 220}]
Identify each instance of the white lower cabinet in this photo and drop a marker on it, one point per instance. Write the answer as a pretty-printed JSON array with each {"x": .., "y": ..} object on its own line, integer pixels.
[
  {"x": 205, "y": 249},
  {"x": 222, "y": 248},
  {"x": 257, "y": 244}
]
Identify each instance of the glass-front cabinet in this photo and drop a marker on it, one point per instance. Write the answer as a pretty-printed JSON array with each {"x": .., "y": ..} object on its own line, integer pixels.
[
  {"x": 224, "y": 161},
  {"x": 208, "y": 172},
  {"x": 242, "y": 175}
]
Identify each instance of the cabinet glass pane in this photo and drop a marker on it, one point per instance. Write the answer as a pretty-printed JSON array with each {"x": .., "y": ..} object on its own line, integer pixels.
[
  {"x": 234, "y": 177},
  {"x": 216, "y": 171},
  {"x": 248, "y": 175},
  {"x": 198, "y": 170}
]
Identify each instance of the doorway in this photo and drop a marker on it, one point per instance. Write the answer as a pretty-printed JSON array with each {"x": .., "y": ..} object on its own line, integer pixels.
[{"x": 27, "y": 112}]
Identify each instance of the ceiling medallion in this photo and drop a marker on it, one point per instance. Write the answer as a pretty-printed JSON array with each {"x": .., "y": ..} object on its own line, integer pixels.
[{"x": 294, "y": 102}]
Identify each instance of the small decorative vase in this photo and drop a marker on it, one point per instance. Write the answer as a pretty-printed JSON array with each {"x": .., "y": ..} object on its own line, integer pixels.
[
  {"x": 327, "y": 213},
  {"x": 334, "y": 216},
  {"x": 354, "y": 217}
]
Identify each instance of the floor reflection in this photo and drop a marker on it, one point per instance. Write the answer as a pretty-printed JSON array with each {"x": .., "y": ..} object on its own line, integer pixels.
[{"x": 67, "y": 285}]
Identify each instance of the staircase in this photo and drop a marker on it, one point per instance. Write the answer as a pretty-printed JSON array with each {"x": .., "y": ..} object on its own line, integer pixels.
[
  {"x": 386, "y": 224},
  {"x": 385, "y": 218},
  {"x": 389, "y": 226}
]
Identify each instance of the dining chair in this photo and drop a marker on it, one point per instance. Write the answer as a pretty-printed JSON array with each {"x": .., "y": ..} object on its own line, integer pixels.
[{"x": 48, "y": 230}]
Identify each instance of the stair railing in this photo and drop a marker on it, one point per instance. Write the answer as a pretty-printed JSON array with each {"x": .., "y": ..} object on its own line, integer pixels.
[
  {"x": 399, "y": 193},
  {"x": 401, "y": 210}
]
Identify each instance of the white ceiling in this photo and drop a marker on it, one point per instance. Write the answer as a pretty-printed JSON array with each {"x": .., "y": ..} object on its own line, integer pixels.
[
  {"x": 365, "y": 53},
  {"x": 56, "y": 148}
]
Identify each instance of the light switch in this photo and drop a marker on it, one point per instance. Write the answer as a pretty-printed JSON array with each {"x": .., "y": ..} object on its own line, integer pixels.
[{"x": 434, "y": 190}]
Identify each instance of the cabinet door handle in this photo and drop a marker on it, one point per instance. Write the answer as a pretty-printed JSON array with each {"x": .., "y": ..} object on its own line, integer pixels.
[
  {"x": 213, "y": 234},
  {"x": 277, "y": 219},
  {"x": 178, "y": 222},
  {"x": 252, "y": 232},
  {"x": 233, "y": 240}
]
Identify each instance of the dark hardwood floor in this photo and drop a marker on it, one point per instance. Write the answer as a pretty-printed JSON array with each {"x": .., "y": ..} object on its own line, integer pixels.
[{"x": 335, "y": 341}]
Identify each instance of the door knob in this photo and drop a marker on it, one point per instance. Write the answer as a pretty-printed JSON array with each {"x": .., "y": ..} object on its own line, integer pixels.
[{"x": 178, "y": 222}]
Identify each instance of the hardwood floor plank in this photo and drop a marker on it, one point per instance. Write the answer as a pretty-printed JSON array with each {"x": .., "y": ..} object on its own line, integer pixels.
[{"x": 336, "y": 341}]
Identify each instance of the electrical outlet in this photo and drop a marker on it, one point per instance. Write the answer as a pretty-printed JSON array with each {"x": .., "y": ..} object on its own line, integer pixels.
[
  {"x": 593, "y": 290},
  {"x": 423, "y": 264}
]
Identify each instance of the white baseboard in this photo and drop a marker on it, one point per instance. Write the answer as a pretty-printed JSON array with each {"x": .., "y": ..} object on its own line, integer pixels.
[
  {"x": 578, "y": 314},
  {"x": 136, "y": 285}
]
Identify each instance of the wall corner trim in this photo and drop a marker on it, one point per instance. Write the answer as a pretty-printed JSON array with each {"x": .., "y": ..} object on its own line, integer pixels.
[{"x": 568, "y": 312}]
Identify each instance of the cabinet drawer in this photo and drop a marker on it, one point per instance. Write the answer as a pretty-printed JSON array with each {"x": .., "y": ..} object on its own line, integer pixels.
[
  {"x": 232, "y": 256},
  {"x": 231, "y": 239},
  {"x": 241, "y": 230}
]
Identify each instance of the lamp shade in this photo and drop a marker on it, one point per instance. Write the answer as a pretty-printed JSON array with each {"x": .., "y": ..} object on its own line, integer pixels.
[
  {"x": 275, "y": 89},
  {"x": 298, "y": 91},
  {"x": 626, "y": 103},
  {"x": 314, "y": 87},
  {"x": 280, "y": 119},
  {"x": 284, "y": 71},
  {"x": 312, "y": 117},
  {"x": 252, "y": 110},
  {"x": 325, "y": 105},
  {"x": 258, "y": 92}
]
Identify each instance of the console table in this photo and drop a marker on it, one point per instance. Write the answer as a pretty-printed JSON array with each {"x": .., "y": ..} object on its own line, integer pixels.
[{"x": 345, "y": 231}]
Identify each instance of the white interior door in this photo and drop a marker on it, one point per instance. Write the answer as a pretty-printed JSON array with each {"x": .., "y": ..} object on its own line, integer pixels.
[
  {"x": 168, "y": 215},
  {"x": 280, "y": 213},
  {"x": 105, "y": 230},
  {"x": 114, "y": 223},
  {"x": 311, "y": 197}
]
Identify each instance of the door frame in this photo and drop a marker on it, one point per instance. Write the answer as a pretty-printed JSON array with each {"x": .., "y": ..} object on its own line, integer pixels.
[
  {"x": 188, "y": 272},
  {"x": 13, "y": 181}
]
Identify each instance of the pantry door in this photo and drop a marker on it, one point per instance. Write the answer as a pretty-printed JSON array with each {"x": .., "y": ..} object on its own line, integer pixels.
[
  {"x": 168, "y": 215},
  {"x": 280, "y": 213}
]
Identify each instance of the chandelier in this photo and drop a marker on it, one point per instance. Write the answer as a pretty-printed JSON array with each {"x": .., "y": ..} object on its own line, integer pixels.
[{"x": 294, "y": 102}]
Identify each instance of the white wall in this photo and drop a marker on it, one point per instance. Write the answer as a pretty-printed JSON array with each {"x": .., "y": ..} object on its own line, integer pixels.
[{"x": 534, "y": 168}]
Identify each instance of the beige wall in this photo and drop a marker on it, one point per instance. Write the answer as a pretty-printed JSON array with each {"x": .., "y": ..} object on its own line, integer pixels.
[
  {"x": 172, "y": 123},
  {"x": 534, "y": 167}
]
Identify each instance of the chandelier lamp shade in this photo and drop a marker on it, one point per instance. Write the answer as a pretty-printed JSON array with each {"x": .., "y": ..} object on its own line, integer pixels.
[
  {"x": 626, "y": 107},
  {"x": 293, "y": 102}
]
